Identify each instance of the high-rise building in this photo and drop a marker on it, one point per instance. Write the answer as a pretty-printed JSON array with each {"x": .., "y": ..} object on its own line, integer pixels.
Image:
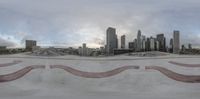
[
  {"x": 135, "y": 44},
  {"x": 111, "y": 40},
  {"x": 162, "y": 42},
  {"x": 143, "y": 39},
  {"x": 152, "y": 44},
  {"x": 30, "y": 44},
  {"x": 171, "y": 45},
  {"x": 131, "y": 45},
  {"x": 84, "y": 50},
  {"x": 183, "y": 48},
  {"x": 123, "y": 41},
  {"x": 176, "y": 42},
  {"x": 89, "y": 52},
  {"x": 143, "y": 45},
  {"x": 190, "y": 46},
  {"x": 147, "y": 44},
  {"x": 80, "y": 50},
  {"x": 139, "y": 41},
  {"x": 157, "y": 45},
  {"x": 116, "y": 44}
]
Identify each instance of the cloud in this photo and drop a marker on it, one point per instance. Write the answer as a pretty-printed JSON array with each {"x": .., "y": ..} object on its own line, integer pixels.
[
  {"x": 73, "y": 22},
  {"x": 7, "y": 43}
]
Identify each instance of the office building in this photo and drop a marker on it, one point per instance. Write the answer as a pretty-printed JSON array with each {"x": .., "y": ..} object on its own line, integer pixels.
[
  {"x": 30, "y": 44},
  {"x": 131, "y": 45},
  {"x": 139, "y": 41},
  {"x": 80, "y": 51},
  {"x": 123, "y": 41},
  {"x": 162, "y": 42},
  {"x": 147, "y": 44},
  {"x": 190, "y": 46},
  {"x": 135, "y": 44},
  {"x": 176, "y": 42},
  {"x": 157, "y": 45},
  {"x": 183, "y": 48},
  {"x": 171, "y": 45},
  {"x": 84, "y": 50},
  {"x": 143, "y": 38},
  {"x": 152, "y": 44},
  {"x": 111, "y": 40}
]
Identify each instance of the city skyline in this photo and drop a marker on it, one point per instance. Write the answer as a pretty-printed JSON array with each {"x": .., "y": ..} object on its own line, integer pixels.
[
  {"x": 70, "y": 23},
  {"x": 122, "y": 43}
]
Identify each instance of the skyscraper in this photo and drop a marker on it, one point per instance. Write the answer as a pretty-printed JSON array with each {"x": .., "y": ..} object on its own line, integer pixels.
[
  {"x": 143, "y": 39},
  {"x": 147, "y": 44},
  {"x": 135, "y": 44},
  {"x": 157, "y": 45},
  {"x": 131, "y": 45},
  {"x": 176, "y": 42},
  {"x": 80, "y": 51},
  {"x": 123, "y": 41},
  {"x": 190, "y": 46},
  {"x": 162, "y": 42},
  {"x": 111, "y": 40},
  {"x": 84, "y": 49},
  {"x": 139, "y": 41},
  {"x": 116, "y": 39},
  {"x": 152, "y": 44},
  {"x": 171, "y": 45}
]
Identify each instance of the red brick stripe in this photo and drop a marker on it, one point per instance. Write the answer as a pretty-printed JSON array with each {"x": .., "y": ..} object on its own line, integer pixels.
[
  {"x": 10, "y": 64},
  {"x": 176, "y": 76},
  {"x": 185, "y": 65},
  {"x": 94, "y": 74},
  {"x": 18, "y": 74}
]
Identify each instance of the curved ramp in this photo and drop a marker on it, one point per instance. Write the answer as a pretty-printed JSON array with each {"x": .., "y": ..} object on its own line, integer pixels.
[
  {"x": 176, "y": 76},
  {"x": 184, "y": 65},
  {"x": 94, "y": 74},
  {"x": 19, "y": 74}
]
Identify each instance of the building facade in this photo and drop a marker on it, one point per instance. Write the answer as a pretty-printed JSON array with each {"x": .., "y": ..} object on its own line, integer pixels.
[
  {"x": 84, "y": 50},
  {"x": 152, "y": 44},
  {"x": 123, "y": 41},
  {"x": 176, "y": 42},
  {"x": 131, "y": 45},
  {"x": 157, "y": 45},
  {"x": 143, "y": 38},
  {"x": 111, "y": 40},
  {"x": 139, "y": 41},
  {"x": 162, "y": 42},
  {"x": 171, "y": 45},
  {"x": 147, "y": 44},
  {"x": 30, "y": 44},
  {"x": 190, "y": 46}
]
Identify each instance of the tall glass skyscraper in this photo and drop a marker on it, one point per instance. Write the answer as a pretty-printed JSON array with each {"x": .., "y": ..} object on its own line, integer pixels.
[
  {"x": 139, "y": 41},
  {"x": 111, "y": 40},
  {"x": 176, "y": 42}
]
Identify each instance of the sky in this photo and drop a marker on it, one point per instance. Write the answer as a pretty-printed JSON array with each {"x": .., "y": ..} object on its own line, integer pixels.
[{"x": 73, "y": 22}]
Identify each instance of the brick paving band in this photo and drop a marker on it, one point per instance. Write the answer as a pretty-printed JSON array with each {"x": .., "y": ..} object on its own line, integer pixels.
[
  {"x": 176, "y": 76},
  {"x": 94, "y": 74},
  {"x": 10, "y": 64},
  {"x": 183, "y": 64},
  {"x": 18, "y": 74}
]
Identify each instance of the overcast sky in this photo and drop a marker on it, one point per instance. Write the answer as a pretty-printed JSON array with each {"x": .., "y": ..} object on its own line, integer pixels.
[{"x": 73, "y": 22}]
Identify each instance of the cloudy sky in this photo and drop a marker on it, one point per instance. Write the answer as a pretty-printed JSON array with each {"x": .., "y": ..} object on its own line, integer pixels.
[{"x": 73, "y": 22}]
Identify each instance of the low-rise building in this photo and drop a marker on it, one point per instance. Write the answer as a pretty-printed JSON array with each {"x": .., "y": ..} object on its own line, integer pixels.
[{"x": 30, "y": 44}]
